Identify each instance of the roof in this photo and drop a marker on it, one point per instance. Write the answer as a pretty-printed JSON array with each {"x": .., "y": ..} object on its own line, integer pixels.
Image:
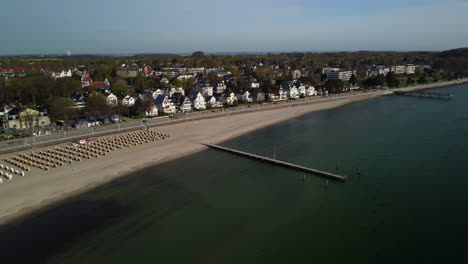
[
  {"x": 18, "y": 110},
  {"x": 193, "y": 95},
  {"x": 159, "y": 99}
]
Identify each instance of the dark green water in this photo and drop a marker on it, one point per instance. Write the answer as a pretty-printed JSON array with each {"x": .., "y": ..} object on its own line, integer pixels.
[{"x": 409, "y": 205}]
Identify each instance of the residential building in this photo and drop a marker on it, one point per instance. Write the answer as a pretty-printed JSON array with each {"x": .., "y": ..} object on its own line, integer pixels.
[
  {"x": 24, "y": 118},
  {"x": 397, "y": 69},
  {"x": 197, "y": 100},
  {"x": 128, "y": 101},
  {"x": 111, "y": 99},
  {"x": 410, "y": 69},
  {"x": 211, "y": 101},
  {"x": 244, "y": 96},
  {"x": 377, "y": 70},
  {"x": 164, "y": 105},
  {"x": 343, "y": 75}
]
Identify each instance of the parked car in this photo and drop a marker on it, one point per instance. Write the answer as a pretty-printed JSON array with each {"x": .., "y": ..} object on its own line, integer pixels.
[
  {"x": 115, "y": 118},
  {"x": 81, "y": 124}
]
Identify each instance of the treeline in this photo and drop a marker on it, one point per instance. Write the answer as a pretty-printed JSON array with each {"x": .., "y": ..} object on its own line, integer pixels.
[{"x": 36, "y": 90}]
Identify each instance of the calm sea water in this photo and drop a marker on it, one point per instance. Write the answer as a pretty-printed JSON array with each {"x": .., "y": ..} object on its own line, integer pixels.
[{"x": 408, "y": 205}]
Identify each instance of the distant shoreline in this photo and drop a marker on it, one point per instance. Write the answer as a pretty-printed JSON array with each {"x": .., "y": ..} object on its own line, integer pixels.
[{"x": 30, "y": 195}]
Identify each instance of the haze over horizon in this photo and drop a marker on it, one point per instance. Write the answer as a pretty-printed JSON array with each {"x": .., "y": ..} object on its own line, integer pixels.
[{"x": 181, "y": 26}]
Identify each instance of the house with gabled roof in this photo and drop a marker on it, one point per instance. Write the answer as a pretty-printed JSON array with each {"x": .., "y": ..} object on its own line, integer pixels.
[
  {"x": 127, "y": 100},
  {"x": 198, "y": 101},
  {"x": 212, "y": 102},
  {"x": 244, "y": 96},
  {"x": 24, "y": 118},
  {"x": 164, "y": 105},
  {"x": 111, "y": 99},
  {"x": 229, "y": 97}
]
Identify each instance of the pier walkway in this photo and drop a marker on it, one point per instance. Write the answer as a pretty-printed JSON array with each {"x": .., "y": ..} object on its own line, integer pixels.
[
  {"x": 325, "y": 174},
  {"x": 432, "y": 95}
]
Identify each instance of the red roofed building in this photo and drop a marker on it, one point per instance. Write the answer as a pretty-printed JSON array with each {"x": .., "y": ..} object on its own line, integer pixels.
[{"x": 97, "y": 86}]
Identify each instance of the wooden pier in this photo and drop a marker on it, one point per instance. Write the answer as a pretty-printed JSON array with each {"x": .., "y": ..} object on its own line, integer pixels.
[
  {"x": 325, "y": 174},
  {"x": 431, "y": 95}
]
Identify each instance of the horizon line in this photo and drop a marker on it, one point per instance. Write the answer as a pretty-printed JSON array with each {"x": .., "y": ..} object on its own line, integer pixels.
[{"x": 211, "y": 53}]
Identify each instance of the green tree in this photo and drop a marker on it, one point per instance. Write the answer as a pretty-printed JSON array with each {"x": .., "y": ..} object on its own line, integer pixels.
[
  {"x": 392, "y": 80},
  {"x": 97, "y": 104},
  {"x": 141, "y": 84},
  {"x": 335, "y": 86},
  {"x": 188, "y": 84},
  {"x": 119, "y": 88},
  {"x": 422, "y": 80},
  {"x": 61, "y": 109},
  {"x": 409, "y": 81},
  {"x": 65, "y": 87},
  {"x": 198, "y": 54},
  {"x": 353, "y": 80}
]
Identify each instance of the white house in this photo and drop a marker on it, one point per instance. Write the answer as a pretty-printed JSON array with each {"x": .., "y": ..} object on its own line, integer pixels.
[
  {"x": 164, "y": 105},
  {"x": 164, "y": 80},
  {"x": 185, "y": 105},
  {"x": 311, "y": 91},
  {"x": 229, "y": 97},
  {"x": 302, "y": 90},
  {"x": 212, "y": 102},
  {"x": 296, "y": 74},
  {"x": 111, "y": 99},
  {"x": 62, "y": 74},
  {"x": 254, "y": 85},
  {"x": 183, "y": 77},
  {"x": 176, "y": 90},
  {"x": 128, "y": 101},
  {"x": 293, "y": 92},
  {"x": 219, "y": 87},
  {"x": 244, "y": 96},
  {"x": 207, "y": 90},
  {"x": 157, "y": 92},
  {"x": 197, "y": 100},
  {"x": 283, "y": 94},
  {"x": 86, "y": 80}
]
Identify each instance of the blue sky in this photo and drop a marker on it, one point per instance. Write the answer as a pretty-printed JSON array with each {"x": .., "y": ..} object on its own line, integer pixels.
[{"x": 178, "y": 26}]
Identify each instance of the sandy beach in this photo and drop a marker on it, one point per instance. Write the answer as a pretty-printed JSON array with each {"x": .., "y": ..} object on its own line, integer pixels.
[{"x": 40, "y": 188}]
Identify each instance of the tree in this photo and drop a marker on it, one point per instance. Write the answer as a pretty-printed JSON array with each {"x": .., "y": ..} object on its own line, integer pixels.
[
  {"x": 198, "y": 54},
  {"x": 61, "y": 108},
  {"x": 188, "y": 84},
  {"x": 335, "y": 86},
  {"x": 97, "y": 104},
  {"x": 422, "y": 80},
  {"x": 392, "y": 81},
  {"x": 353, "y": 80},
  {"x": 409, "y": 81},
  {"x": 141, "y": 84},
  {"x": 212, "y": 77},
  {"x": 145, "y": 104},
  {"x": 65, "y": 87},
  {"x": 119, "y": 88},
  {"x": 379, "y": 80}
]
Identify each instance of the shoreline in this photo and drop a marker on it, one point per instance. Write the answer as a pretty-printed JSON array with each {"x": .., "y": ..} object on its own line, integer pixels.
[{"x": 71, "y": 181}]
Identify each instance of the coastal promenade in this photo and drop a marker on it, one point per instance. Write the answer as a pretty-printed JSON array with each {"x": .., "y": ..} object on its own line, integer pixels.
[{"x": 67, "y": 136}]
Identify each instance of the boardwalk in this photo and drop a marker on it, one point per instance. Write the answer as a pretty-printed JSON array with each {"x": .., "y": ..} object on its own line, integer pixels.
[{"x": 325, "y": 174}]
